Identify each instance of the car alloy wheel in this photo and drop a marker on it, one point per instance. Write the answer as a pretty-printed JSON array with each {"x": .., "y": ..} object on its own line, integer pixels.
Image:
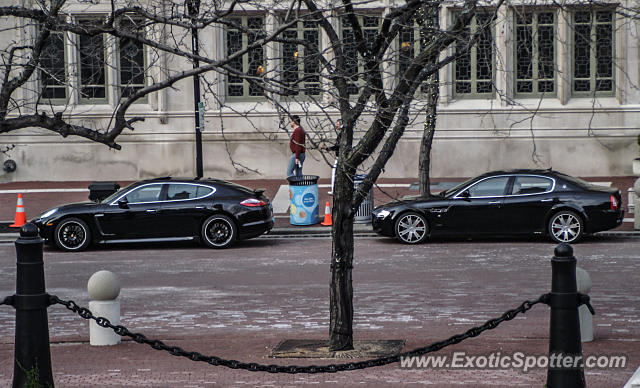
[
  {"x": 219, "y": 231},
  {"x": 411, "y": 228},
  {"x": 72, "y": 234},
  {"x": 565, "y": 226}
]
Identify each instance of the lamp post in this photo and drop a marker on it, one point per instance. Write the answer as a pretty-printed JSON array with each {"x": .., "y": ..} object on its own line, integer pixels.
[{"x": 193, "y": 7}]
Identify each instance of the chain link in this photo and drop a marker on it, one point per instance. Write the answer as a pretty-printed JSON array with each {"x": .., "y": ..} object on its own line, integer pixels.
[{"x": 331, "y": 368}]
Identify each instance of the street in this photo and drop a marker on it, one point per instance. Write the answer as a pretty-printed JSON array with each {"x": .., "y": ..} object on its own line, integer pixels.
[{"x": 241, "y": 302}]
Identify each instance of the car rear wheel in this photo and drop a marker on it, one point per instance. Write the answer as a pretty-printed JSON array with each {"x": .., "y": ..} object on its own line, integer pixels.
[
  {"x": 72, "y": 234},
  {"x": 411, "y": 228},
  {"x": 219, "y": 231},
  {"x": 566, "y": 226}
]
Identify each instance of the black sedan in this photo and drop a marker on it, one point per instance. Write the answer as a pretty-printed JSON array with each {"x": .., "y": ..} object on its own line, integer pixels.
[
  {"x": 501, "y": 203},
  {"x": 215, "y": 212}
]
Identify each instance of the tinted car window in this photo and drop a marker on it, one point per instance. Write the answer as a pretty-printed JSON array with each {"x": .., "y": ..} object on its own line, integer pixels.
[
  {"x": 490, "y": 187},
  {"x": 149, "y": 193},
  {"x": 178, "y": 191},
  {"x": 203, "y": 191},
  {"x": 531, "y": 185}
]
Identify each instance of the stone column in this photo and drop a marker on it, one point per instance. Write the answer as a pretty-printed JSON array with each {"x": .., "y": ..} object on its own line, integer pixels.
[{"x": 636, "y": 214}]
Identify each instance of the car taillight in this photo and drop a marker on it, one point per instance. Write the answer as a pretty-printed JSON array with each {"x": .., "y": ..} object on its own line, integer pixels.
[
  {"x": 252, "y": 202},
  {"x": 614, "y": 203}
]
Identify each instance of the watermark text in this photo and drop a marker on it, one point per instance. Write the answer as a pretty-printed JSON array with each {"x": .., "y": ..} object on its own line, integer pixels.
[{"x": 517, "y": 360}]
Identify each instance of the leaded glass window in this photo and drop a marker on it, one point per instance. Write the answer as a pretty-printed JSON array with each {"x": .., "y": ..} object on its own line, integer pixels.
[
  {"x": 301, "y": 61},
  {"x": 414, "y": 38},
  {"x": 91, "y": 59},
  {"x": 354, "y": 63},
  {"x": 535, "y": 53},
  {"x": 131, "y": 60},
  {"x": 474, "y": 69},
  {"x": 53, "y": 74},
  {"x": 241, "y": 33},
  {"x": 593, "y": 45}
]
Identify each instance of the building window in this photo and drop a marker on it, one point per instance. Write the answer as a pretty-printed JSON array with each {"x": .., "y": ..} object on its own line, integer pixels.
[
  {"x": 474, "y": 69},
  {"x": 535, "y": 53},
  {"x": 593, "y": 46},
  {"x": 414, "y": 38},
  {"x": 354, "y": 64},
  {"x": 91, "y": 62},
  {"x": 301, "y": 62},
  {"x": 53, "y": 71},
  {"x": 131, "y": 61},
  {"x": 242, "y": 32}
]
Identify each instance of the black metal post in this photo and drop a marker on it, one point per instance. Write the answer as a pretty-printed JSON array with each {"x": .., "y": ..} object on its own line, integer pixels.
[
  {"x": 193, "y": 7},
  {"x": 31, "y": 301},
  {"x": 565, "y": 349}
]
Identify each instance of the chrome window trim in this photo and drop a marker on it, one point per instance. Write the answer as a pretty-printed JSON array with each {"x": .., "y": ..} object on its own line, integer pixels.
[
  {"x": 553, "y": 186},
  {"x": 213, "y": 190},
  {"x": 456, "y": 196},
  {"x": 115, "y": 201}
]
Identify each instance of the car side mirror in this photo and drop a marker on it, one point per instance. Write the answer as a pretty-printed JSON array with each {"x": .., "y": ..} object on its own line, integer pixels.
[
  {"x": 465, "y": 195},
  {"x": 123, "y": 203}
]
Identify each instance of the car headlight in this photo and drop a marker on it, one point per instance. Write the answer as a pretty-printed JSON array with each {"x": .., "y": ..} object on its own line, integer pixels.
[
  {"x": 383, "y": 213},
  {"x": 48, "y": 213}
]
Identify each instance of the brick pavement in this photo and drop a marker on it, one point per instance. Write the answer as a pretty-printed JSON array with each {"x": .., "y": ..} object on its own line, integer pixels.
[{"x": 267, "y": 290}]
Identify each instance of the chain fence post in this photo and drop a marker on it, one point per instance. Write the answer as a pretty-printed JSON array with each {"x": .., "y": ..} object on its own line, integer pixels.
[
  {"x": 32, "y": 356},
  {"x": 564, "y": 333}
]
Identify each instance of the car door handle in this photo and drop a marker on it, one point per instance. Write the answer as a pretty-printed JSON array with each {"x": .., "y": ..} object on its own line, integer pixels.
[
  {"x": 546, "y": 200},
  {"x": 494, "y": 203},
  {"x": 151, "y": 210}
]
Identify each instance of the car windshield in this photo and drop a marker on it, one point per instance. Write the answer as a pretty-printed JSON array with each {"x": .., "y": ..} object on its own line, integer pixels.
[
  {"x": 457, "y": 187},
  {"x": 116, "y": 194}
]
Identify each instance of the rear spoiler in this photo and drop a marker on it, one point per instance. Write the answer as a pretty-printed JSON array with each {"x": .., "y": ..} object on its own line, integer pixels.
[{"x": 259, "y": 192}]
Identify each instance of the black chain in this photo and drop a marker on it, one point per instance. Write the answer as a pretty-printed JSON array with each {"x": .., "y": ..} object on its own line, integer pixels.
[{"x": 332, "y": 368}]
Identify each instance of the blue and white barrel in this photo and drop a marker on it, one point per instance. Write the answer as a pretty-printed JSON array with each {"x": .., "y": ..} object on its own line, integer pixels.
[{"x": 303, "y": 193}]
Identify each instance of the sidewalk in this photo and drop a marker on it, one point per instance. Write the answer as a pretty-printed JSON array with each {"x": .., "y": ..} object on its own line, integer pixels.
[{"x": 40, "y": 196}]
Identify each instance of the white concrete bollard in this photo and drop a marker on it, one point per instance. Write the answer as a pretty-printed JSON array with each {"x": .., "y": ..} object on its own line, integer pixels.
[
  {"x": 104, "y": 288},
  {"x": 583, "y": 281}
]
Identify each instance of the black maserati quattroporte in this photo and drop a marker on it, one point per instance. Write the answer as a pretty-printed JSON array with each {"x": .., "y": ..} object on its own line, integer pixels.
[
  {"x": 501, "y": 203},
  {"x": 215, "y": 212}
]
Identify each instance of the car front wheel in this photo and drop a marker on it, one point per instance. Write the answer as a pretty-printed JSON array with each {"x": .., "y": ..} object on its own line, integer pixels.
[
  {"x": 566, "y": 226},
  {"x": 72, "y": 234},
  {"x": 219, "y": 231},
  {"x": 411, "y": 228}
]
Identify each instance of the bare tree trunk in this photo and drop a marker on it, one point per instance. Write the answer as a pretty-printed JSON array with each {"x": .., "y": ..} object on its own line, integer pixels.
[
  {"x": 341, "y": 288},
  {"x": 424, "y": 163}
]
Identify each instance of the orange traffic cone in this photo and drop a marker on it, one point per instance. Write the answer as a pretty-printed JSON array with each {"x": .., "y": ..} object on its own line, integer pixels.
[
  {"x": 327, "y": 215},
  {"x": 21, "y": 217}
]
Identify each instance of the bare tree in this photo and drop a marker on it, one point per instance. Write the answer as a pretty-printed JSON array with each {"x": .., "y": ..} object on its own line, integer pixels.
[{"x": 352, "y": 76}]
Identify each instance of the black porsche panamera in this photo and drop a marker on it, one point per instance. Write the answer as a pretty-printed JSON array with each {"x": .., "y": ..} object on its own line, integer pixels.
[
  {"x": 504, "y": 203},
  {"x": 215, "y": 212}
]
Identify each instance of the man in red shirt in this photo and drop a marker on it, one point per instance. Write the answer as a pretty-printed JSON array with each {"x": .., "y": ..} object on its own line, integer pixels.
[{"x": 296, "y": 144}]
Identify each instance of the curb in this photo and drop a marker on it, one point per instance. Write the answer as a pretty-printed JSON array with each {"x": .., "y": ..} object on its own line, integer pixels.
[
  {"x": 8, "y": 237},
  {"x": 358, "y": 230}
]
